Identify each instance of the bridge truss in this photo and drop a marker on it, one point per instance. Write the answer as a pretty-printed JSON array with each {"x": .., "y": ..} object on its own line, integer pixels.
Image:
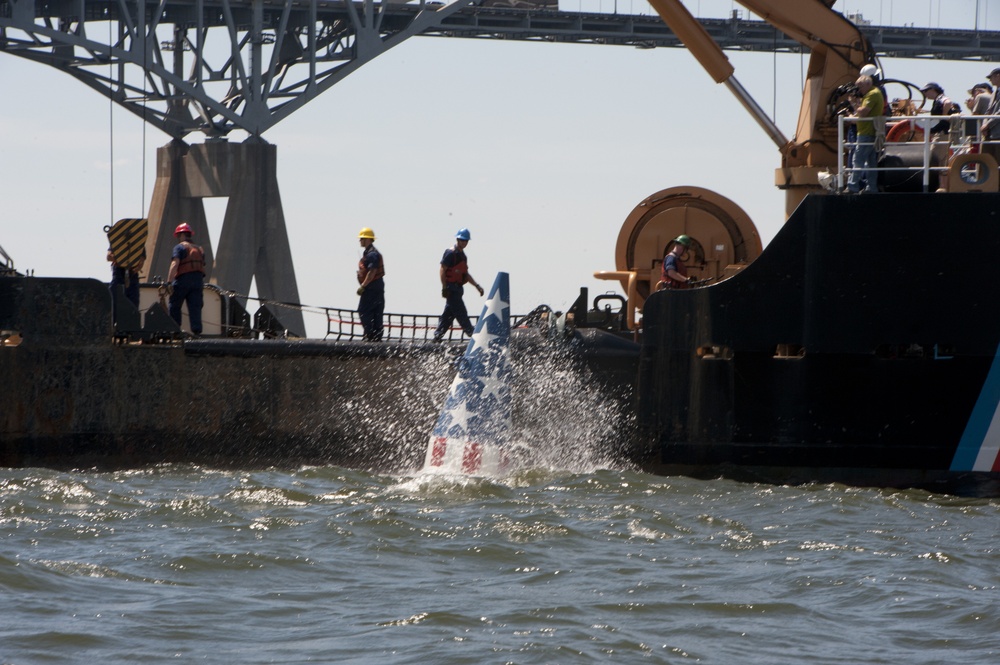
[{"x": 211, "y": 66}]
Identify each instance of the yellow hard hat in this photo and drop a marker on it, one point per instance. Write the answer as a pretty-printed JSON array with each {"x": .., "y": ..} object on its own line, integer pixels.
[{"x": 366, "y": 233}]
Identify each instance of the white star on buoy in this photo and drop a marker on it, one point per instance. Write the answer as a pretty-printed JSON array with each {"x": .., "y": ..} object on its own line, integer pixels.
[{"x": 495, "y": 307}]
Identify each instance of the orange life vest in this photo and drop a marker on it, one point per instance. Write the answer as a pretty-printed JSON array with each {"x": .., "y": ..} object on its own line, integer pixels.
[
  {"x": 379, "y": 272},
  {"x": 193, "y": 261},
  {"x": 458, "y": 273},
  {"x": 668, "y": 281}
]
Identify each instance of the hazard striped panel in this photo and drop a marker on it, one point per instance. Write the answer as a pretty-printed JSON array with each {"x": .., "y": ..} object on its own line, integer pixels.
[{"x": 127, "y": 239}]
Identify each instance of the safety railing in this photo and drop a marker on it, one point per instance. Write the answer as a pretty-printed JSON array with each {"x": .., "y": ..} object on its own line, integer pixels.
[
  {"x": 342, "y": 324},
  {"x": 915, "y": 148},
  {"x": 346, "y": 324}
]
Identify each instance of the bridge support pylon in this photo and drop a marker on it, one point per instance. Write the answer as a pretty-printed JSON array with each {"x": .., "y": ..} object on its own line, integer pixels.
[{"x": 253, "y": 242}]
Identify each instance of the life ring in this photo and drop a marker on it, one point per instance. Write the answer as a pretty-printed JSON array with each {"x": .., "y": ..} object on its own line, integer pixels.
[
  {"x": 980, "y": 173},
  {"x": 905, "y": 131}
]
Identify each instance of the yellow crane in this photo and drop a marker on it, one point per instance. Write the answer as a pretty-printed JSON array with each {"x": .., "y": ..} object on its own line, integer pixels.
[{"x": 724, "y": 239}]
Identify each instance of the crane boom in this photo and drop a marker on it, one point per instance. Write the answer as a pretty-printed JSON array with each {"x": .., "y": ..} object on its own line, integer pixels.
[
  {"x": 707, "y": 52},
  {"x": 838, "y": 50}
]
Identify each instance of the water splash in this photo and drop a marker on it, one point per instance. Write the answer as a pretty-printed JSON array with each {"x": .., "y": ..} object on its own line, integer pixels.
[
  {"x": 527, "y": 401},
  {"x": 566, "y": 418}
]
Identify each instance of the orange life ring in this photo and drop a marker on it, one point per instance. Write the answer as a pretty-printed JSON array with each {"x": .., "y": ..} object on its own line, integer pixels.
[{"x": 905, "y": 131}]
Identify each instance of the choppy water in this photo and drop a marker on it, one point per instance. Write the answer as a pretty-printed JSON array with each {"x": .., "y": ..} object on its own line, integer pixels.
[{"x": 329, "y": 565}]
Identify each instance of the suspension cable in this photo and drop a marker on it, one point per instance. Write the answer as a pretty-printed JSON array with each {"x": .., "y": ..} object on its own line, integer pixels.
[
  {"x": 111, "y": 122},
  {"x": 145, "y": 52}
]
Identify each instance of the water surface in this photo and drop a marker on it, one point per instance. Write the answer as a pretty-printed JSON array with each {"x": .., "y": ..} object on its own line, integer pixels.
[{"x": 329, "y": 565}]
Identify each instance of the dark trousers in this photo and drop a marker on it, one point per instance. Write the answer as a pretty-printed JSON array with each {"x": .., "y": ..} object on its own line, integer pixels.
[
  {"x": 454, "y": 310},
  {"x": 130, "y": 281},
  {"x": 371, "y": 306},
  {"x": 187, "y": 288}
]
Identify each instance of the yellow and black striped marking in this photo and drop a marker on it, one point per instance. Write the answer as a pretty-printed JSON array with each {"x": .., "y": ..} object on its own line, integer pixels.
[{"x": 127, "y": 238}]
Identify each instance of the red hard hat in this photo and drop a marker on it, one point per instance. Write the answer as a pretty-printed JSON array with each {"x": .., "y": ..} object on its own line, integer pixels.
[{"x": 183, "y": 228}]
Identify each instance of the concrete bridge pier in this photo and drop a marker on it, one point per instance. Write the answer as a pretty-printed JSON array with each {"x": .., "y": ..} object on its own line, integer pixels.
[{"x": 253, "y": 242}]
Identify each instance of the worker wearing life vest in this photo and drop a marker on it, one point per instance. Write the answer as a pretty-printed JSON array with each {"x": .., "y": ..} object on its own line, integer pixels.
[
  {"x": 186, "y": 278},
  {"x": 454, "y": 273},
  {"x": 674, "y": 274},
  {"x": 371, "y": 269}
]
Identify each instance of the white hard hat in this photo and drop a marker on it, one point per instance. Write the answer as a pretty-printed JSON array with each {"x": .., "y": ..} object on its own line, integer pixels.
[{"x": 870, "y": 70}]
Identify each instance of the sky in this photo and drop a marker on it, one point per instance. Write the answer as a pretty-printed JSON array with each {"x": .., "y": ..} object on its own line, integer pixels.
[{"x": 540, "y": 149}]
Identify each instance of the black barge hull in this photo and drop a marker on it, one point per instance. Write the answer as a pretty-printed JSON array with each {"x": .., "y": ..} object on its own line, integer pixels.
[
  {"x": 74, "y": 398},
  {"x": 860, "y": 348}
]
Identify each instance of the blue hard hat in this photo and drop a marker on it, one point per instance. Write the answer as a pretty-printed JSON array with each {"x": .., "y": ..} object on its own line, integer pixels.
[{"x": 463, "y": 234}]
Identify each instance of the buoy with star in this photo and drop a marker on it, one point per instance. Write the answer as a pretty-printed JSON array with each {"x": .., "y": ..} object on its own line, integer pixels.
[{"x": 472, "y": 432}]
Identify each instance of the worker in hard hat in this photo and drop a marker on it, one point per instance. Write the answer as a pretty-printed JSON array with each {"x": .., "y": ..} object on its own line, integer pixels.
[
  {"x": 454, "y": 274},
  {"x": 371, "y": 269},
  {"x": 876, "y": 76},
  {"x": 186, "y": 278},
  {"x": 673, "y": 274},
  {"x": 869, "y": 109}
]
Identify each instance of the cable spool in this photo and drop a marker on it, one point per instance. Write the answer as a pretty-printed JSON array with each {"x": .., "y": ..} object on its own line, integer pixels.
[{"x": 723, "y": 241}]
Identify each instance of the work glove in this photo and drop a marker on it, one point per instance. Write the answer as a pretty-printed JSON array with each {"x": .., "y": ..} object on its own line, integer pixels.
[
  {"x": 361, "y": 290},
  {"x": 480, "y": 289},
  {"x": 168, "y": 289},
  {"x": 444, "y": 292}
]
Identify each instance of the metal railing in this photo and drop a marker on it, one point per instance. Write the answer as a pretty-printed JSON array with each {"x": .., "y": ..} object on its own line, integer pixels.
[
  {"x": 933, "y": 152},
  {"x": 346, "y": 324}
]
